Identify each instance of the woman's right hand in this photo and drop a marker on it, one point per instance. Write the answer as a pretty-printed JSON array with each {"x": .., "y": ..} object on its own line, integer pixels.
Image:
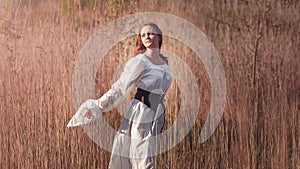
[{"x": 89, "y": 114}]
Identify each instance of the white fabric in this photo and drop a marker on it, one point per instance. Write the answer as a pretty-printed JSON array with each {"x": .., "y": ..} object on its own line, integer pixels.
[{"x": 140, "y": 122}]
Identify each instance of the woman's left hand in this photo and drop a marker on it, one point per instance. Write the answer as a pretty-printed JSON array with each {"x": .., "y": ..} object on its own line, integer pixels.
[{"x": 89, "y": 114}]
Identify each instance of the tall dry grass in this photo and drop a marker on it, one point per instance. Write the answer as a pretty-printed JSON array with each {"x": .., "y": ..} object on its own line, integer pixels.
[{"x": 258, "y": 45}]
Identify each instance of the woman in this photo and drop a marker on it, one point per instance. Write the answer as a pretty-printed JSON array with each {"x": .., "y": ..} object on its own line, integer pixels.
[{"x": 148, "y": 71}]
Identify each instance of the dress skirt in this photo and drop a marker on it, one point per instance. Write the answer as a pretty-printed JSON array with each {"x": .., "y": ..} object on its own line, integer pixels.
[{"x": 134, "y": 145}]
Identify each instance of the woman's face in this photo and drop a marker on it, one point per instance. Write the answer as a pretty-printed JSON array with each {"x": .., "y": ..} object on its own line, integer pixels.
[{"x": 149, "y": 37}]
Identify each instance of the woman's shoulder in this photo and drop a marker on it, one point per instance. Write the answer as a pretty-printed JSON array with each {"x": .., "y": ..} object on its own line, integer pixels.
[
  {"x": 140, "y": 57},
  {"x": 137, "y": 60}
]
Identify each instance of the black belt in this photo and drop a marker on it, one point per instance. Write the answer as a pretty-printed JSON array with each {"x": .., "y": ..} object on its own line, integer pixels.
[{"x": 152, "y": 100}]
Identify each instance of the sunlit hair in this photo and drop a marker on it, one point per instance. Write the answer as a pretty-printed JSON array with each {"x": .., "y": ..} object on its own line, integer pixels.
[{"x": 139, "y": 46}]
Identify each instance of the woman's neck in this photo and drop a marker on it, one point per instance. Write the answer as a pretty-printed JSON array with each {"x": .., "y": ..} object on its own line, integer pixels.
[
  {"x": 154, "y": 56},
  {"x": 153, "y": 53}
]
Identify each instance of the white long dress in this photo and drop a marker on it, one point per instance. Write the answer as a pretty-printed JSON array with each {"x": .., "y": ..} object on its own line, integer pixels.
[{"x": 140, "y": 122}]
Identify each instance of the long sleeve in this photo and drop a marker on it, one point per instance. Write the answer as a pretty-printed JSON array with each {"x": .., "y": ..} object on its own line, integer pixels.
[
  {"x": 120, "y": 89},
  {"x": 123, "y": 86}
]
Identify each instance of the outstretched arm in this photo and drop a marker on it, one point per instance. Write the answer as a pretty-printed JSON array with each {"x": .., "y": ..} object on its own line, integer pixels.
[
  {"x": 90, "y": 109},
  {"x": 123, "y": 86}
]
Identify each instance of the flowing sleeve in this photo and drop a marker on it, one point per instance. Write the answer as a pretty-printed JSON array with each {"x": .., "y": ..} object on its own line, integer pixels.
[
  {"x": 123, "y": 86},
  {"x": 120, "y": 89}
]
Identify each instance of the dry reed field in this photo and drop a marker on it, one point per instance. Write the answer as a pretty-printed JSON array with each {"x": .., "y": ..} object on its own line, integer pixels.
[{"x": 258, "y": 44}]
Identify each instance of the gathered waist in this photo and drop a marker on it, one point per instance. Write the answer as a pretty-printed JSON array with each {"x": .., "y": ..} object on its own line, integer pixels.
[{"x": 152, "y": 100}]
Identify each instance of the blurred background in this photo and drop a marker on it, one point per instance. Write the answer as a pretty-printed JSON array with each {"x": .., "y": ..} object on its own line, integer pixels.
[{"x": 258, "y": 44}]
